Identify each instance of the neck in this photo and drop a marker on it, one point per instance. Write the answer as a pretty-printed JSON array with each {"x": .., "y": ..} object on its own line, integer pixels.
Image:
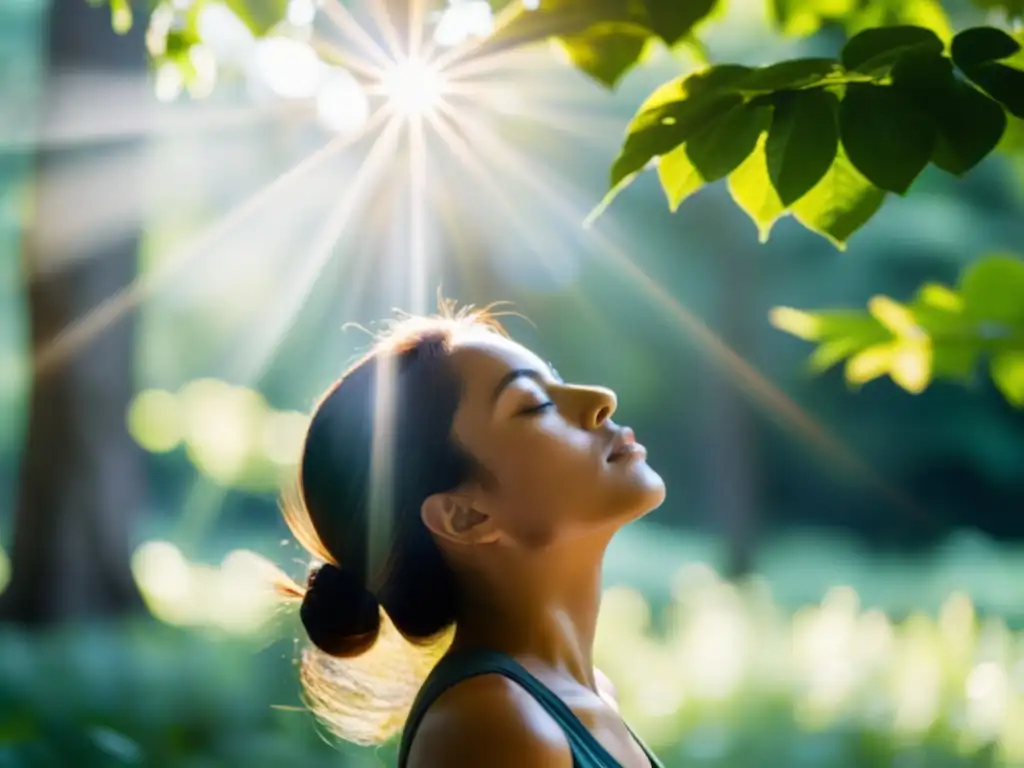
[{"x": 541, "y": 605}]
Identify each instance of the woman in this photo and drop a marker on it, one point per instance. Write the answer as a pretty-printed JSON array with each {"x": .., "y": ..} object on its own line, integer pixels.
[{"x": 452, "y": 479}]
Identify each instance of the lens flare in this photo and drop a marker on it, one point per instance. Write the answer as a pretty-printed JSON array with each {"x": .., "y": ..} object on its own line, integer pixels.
[{"x": 413, "y": 87}]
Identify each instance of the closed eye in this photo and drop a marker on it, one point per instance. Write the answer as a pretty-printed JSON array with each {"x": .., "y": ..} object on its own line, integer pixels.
[{"x": 536, "y": 408}]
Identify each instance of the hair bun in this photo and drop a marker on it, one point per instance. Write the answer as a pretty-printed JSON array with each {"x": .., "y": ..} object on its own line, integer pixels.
[{"x": 340, "y": 615}]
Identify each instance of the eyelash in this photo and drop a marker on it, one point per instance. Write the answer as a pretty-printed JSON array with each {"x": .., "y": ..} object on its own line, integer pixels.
[{"x": 537, "y": 408}]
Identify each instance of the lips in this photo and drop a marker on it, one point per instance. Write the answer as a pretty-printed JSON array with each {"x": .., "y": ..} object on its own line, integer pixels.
[{"x": 625, "y": 447}]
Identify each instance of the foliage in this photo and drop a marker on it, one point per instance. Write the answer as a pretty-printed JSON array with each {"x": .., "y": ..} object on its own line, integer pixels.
[
  {"x": 152, "y": 695},
  {"x": 942, "y": 333},
  {"x": 260, "y": 16},
  {"x": 838, "y": 134},
  {"x": 728, "y": 680},
  {"x": 805, "y": 17},
  {"x": 827, "y": 139},
  {"x": 604, "y": 38}
]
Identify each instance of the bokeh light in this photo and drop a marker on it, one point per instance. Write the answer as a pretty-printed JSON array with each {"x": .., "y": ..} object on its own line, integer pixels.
[
  {"x": 289, "y": 68},
  {"x": 342, "y": 105}
]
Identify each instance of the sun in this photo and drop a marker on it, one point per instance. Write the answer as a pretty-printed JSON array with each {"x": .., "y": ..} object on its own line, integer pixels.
[{"x": 413, "y": 87}]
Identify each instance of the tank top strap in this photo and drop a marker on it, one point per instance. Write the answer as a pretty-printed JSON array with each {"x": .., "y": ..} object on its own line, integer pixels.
[{"x": 461, "y": 665}]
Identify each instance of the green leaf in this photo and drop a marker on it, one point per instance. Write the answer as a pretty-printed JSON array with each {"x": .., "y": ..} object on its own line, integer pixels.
[
  {"x": 722, "y": 78},
  {"x": 121, "y": 17},
  {"x": 752, "y": 190},
  {"x": 868, "y": 364},
  {"x": 676, "y": 123},
  {"x": 1013, "y": 139},
  {"x": 1007, "y": 369},
  {"x": 802, "y": 142},
  {"x": 880, "y": 47},
  {"x": 1004, "y": 84},
  {"x": 895, "y": 317},
  {"x": 840, "y": 204},
  {"x": 956, "y": 361},
  {"x": 679, "y": 179},
  {"x": 911, "y": 365},
  {"x": 980, "y": 45},
  {"x": 796, "y": 73},
  {"x": 673, "y": 113},
  {"x": 606, "y": 51},
  {"x": 718, "y": 148},
  {"x": 885, "y": 136},
  {"x": 672, "y": 20},
  {"x": 832, "y": 352},
  {"x": 553, "y": 18},
  {"x": 712, "y": 152},
  {"x": 939, "y": 296},
  {"x": 260, "y": 16},
  {"x": 829, "y": 324},
  {"x": 969, "y": 124},
  {"x": 993, "y": 289}
]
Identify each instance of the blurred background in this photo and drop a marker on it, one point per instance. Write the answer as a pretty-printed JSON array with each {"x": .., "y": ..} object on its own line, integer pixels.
[{"x": 191, "y": 215}]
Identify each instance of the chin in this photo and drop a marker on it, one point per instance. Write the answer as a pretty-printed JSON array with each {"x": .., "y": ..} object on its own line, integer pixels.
[{"x": 645, "y": 492}]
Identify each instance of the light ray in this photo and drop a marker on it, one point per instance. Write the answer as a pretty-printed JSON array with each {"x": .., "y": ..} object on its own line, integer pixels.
[
  {"x": 417, "y": 28},
  {"x": 419, "y": 267},
  {"x": 601, "y": 131},
  {"x": 347, "y": 24},
  {"x": 202, "y": 504},
  {"x": 87, "y": 124},
  {"x": 287, "y": 306},
  {"x": 485, "y": 47},
  {"x": 82, "y": 231},
  {"x": 463, "y": 151},
  {"x": 103, "y": 315},
  {"x": 382, "y": 451},
  {"x": 330, "y": 52},
  {"x": 511, "y": 60},
  {"x": 387, "y": 28},
  {"x": 779, "y": 406}
]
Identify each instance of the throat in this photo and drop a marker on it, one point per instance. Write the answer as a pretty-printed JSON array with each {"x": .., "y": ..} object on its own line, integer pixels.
[{"x": 532, "y": 614}]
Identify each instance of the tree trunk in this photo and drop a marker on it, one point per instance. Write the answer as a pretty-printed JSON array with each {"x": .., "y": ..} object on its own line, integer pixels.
[
  {"x": 82, "y": 476},
  {"x": 730, "y": 456}
]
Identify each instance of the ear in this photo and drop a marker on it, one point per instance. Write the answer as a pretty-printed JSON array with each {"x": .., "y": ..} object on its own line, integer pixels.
[{"x": 453, "y": 517}]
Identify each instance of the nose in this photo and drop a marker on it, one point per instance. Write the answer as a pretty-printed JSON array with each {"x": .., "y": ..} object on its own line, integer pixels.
[{"x": 599, "y": 404}]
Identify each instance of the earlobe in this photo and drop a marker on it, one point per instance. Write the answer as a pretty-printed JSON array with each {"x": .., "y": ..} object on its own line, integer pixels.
[{"x": 453, "y": 517}]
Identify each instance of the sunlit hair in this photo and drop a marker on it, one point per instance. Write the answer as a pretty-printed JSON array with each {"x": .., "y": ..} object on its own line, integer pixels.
[{"x": 381, "y": 612}]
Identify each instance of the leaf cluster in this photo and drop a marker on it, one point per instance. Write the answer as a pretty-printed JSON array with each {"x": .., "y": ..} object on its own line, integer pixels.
[
  {"x": 827, "y": 139},
  {"x": 942, "y": 333},
  {"x": 604, "y": 38}
]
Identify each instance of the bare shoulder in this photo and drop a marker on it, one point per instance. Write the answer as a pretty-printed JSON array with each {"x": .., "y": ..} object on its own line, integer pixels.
[{"x": 488, "y": 720}]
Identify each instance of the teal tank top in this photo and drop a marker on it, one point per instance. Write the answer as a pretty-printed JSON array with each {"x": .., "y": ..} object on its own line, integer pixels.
[{"x": 457, "y": 666}]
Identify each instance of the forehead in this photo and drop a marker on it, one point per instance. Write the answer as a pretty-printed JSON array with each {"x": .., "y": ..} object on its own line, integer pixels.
[{"x": 482, "y": 361}]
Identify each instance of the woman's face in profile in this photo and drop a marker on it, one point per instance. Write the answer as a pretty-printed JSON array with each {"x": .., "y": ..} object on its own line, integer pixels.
[{"x": 561, "y": 466}]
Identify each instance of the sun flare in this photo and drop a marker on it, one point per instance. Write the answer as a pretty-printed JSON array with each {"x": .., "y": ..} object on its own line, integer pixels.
[{"x": 413, "y": 87}]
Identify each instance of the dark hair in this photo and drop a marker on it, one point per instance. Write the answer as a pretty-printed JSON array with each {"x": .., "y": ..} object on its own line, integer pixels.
[{"x": 379, "y": 443}]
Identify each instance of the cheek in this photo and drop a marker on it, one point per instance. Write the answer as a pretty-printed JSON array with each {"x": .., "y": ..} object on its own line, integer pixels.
[{"x": 550, "y": 475}]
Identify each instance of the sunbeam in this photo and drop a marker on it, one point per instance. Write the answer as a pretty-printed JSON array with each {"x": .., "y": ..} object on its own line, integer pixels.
[
  {"x": 104, "y": 110},
  {"x": 287, "y": 306},
  {"x": 102, "y": 316},
  {"x": 387, "y": 28},
  {"x": 461, "y": 148},
  {"x": 417, "y": 29},
  {"x": 346, "y": 23},
  {"x": 418, "y": 265}
]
